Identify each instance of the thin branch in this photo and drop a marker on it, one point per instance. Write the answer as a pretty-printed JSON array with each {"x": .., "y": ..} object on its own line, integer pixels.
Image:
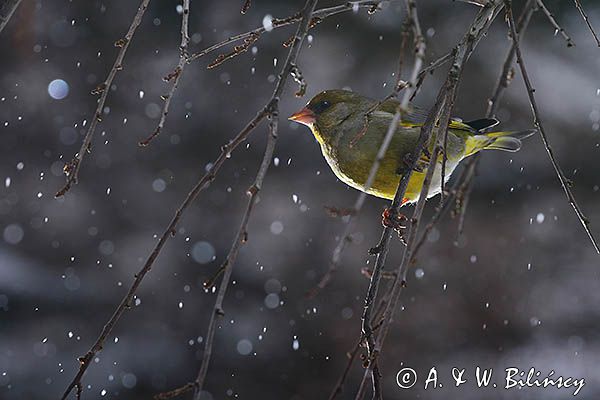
[
  {"x": 366, "y": 326},
  {"x": 443, "y": 106},
  {"x": 441, "y": 210},
  {"x": 405, "y": 34},
  {"x": 465, "y": 187},
  {"x": 246, "y": 6},
  {"x": 72, "y": 168},
  {"x": 419, "y": 41},
  {"x": 188, "y": 387},
  {"x": 564, "y": 182},
  {"x": 269, "y": 110},
  {"x": 7, "y": 9},
  {"x": 318, "y": 16},
  {"x": 339, "y": 387},
  {"x": 557, "y": 27},
  {"x": 430, "y": 69},
  {"x": 587, "y": 21},
  {"x": 444, "y": 148},
  {"x": 507, "y": 74},
  {"x": 436, "y": 64},
  {"x": 273, "y": 111},
  {"x": 478, "y": 3},
  {"x": 249, "y": 38},
  {"x": 176, "y": 74},
  {"x": 428, "y": 135},
  {"x": 241, "y": 238},
  {"x": 208, "y": 177},
  {"x": 504, "y": 79},
  {"x": 462, "y": 202}
]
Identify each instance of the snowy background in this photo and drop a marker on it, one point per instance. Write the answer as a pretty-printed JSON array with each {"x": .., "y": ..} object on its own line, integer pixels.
[{"x": 521, "y": 288}]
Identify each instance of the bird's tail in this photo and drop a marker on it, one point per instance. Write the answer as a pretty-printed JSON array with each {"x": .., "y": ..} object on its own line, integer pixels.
[{"x": 506, "y": 140}]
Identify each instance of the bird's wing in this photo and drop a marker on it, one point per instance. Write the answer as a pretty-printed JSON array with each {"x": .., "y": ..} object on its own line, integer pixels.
[
  {"x": 416, "y": 116},
  {"x": 482, "y": 124},
  {"x": 407, "y": 132}
]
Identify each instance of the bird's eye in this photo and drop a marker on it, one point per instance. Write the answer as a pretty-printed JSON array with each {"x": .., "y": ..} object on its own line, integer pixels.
[{"x": 321, "y": 106}]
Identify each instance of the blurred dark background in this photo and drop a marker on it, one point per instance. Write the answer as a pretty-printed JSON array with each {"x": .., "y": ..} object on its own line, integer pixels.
[{"x": 521, "y": 288}]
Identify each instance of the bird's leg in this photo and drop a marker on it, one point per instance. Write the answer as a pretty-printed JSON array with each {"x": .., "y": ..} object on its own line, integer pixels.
[{"x": 395, "y": 220}]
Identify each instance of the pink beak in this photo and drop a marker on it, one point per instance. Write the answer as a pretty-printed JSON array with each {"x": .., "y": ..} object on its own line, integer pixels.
[{"x": 304, "y": 116}]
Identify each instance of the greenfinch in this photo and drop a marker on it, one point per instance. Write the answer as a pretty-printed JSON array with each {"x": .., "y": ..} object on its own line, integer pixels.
[{"x": 350, "y": 129}]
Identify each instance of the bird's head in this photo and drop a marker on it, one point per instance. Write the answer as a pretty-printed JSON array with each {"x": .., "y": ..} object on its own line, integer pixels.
[{"x": 328, "y": 110}]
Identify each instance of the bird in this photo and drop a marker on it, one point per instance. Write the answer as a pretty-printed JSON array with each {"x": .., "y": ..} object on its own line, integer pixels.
[{"x": 350, "y": 129}]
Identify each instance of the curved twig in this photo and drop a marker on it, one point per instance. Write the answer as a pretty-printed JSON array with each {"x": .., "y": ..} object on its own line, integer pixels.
[
  {"x": 176, "y": 74},
  {"x": 587, "y": 21},
  {"x": 271, "y": 111},
  {"x": 504, "y": 79},
  {"x": 318, "y": 16},
  {"x": 7, "y": 9},
  {"x": 566, "y": 185},
  {"x": 72, "y": 168},
  {"x": 557, "y": 27}
]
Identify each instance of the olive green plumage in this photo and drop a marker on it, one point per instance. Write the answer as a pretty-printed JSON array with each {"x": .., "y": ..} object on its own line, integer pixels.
[{"x": 350, "y": 142}]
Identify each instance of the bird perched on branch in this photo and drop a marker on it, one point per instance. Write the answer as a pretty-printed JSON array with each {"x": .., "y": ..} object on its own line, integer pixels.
[{"x": 350, "y": 129}]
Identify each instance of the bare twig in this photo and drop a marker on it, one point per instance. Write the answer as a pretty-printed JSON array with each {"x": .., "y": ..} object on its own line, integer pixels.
[
  {"x": 7, "y": 9},
  {"x": 246, "y": 6},
  {"x": 202, "y": 183},
  {"x": 443, "y": 106},
  {"x": 440, "y": 212},
  {"x": 464, "y": 184},
  {"x": 557, "y": 27},
  {"x": 188, "y": 387},
  {"x": 479, "y": 3},
  {"x": 318, "y": 15},
  {"x": 587, "y": 21},
  {"x": 299, "y": 79},
  {"x": 428, "y": 135},
  {"x": 564, "y": 182},
  {"x": 444, "y": 148},
  {"x": 429, "y": 69},
  {"x": 176, "y": 74},
  {"x": 241, "y": 238},
  {"x": 368, "y": 273},
  {"x": 366, "y": 326},
  {"x": 504, "y": 79},
  {"x": 404, "y": 36},
  {"x": 273, "y": 112},
  {"x": 72, "y": 168},
  {"x": 248, "y": 38},
  {"x": 339, "y": 387},
  {"x": 237, "y": 50},
  {"x": 462, "y": 202}
]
